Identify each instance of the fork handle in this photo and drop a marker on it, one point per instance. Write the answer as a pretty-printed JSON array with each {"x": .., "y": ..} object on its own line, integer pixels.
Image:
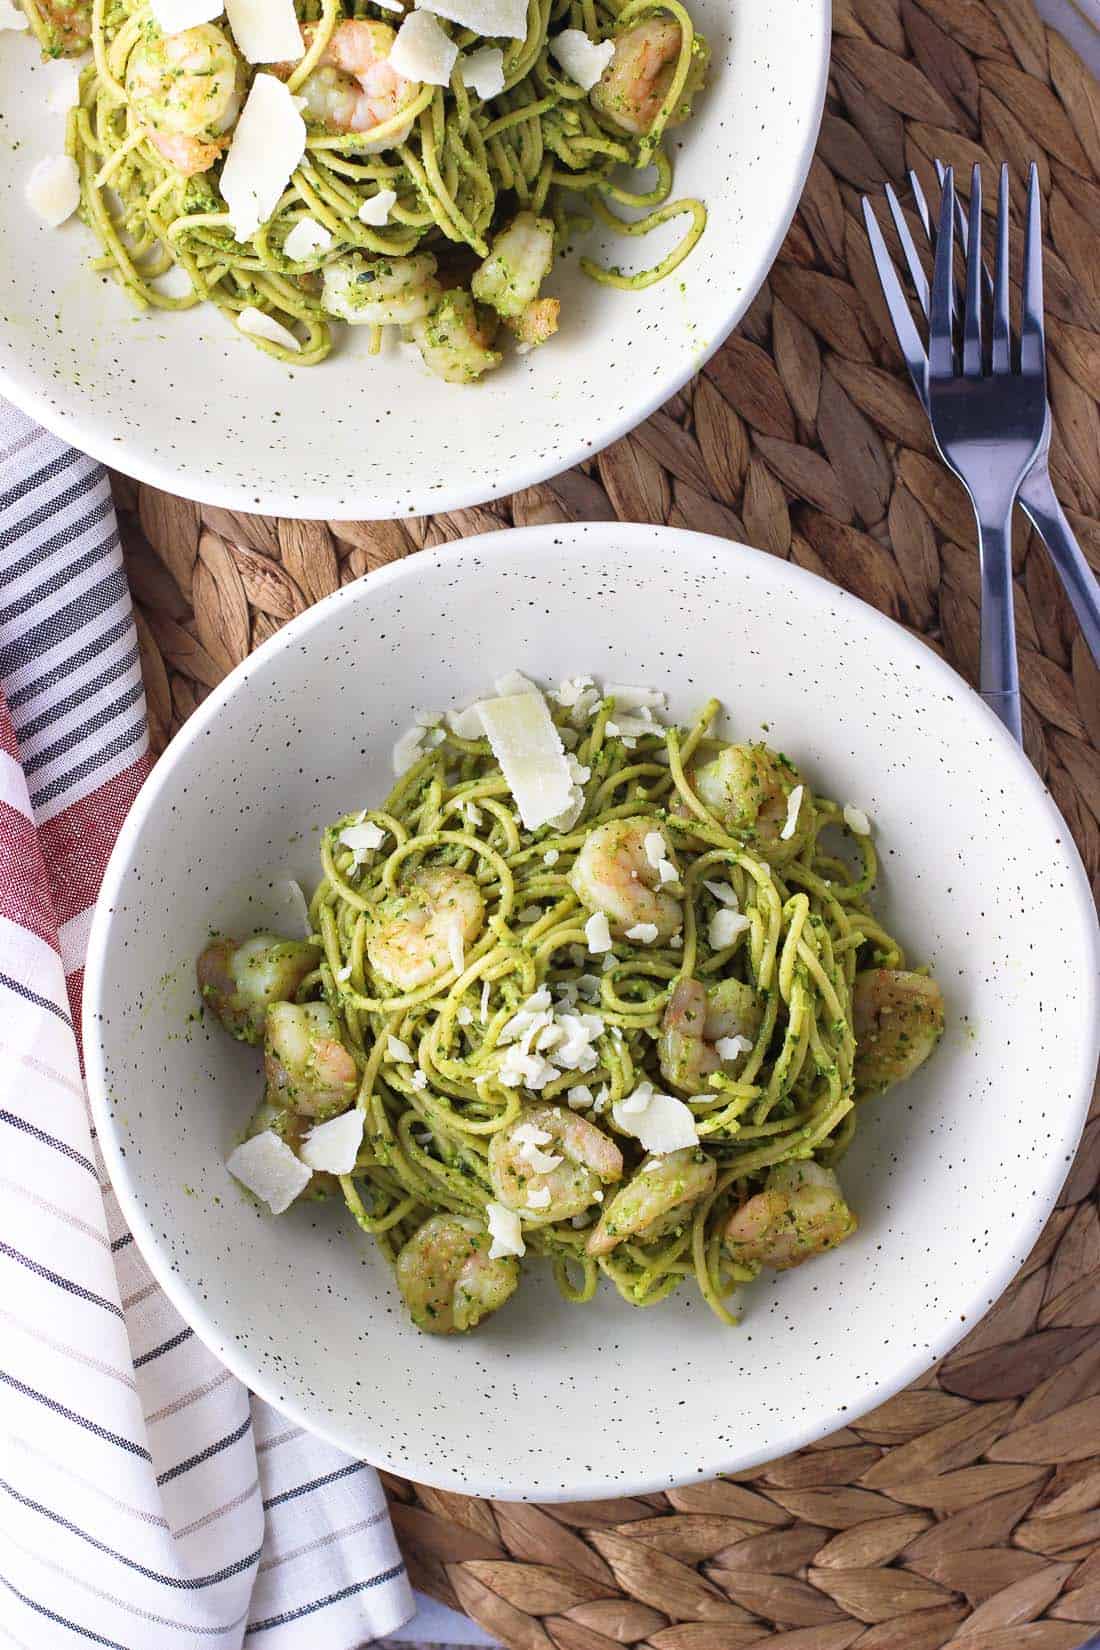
[
  {"x": 999, "y": 672},
  {"x": 1078, "y": 579}
]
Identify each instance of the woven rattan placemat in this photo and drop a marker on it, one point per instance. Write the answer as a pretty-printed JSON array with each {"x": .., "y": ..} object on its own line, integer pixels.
[{"x": 968, "y": 1508}]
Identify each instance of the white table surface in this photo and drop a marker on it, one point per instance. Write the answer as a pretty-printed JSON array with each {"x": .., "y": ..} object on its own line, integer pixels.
[{"x": 434, "y": 1624}]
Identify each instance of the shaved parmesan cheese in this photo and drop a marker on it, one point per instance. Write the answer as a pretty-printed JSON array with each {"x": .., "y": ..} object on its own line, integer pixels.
[
  {"x": 268, "y": 1167},
  {"x": 484, "y": 1009},
  {"x": 265, "y": 30},
  {"x": 730, "y": 1047},
  {"x": 483, "y": 70},
  {"x": 456, "y": 946},
  {"x": 294, "y": 909},
  {"x": 422, "y": 51},
  {"x": 399, "y": 1051},
  {"x": 531, "y": 1071},
  {"x": 504, "y": 1229},
  {"x": 173, "y": 16},
  {"x": 174, "y": 283},
  {"x": 268, "y": 143},
  {"x": 307, "y": 237},
  {"x": 11, "y": 17},
  {"x": 506, "y": 18},
  {"x": 597, "y": 933},
  {"x": 725, "y": 925},
  {"x": 661, "y": 1122},
  {"x": 722, "y": 892},
  {"x": 656, "y": 848},
  {"x": 418, "y": 1080},
  {"x": 857, "y": 821},
  {"x": 62, "y": 82},
  {"x": 539, "y": 1196},
  {"x": 551, "y": 856},
  {"x": 579, "y": 1097},
  {"x": 362, "y": 838},
  {"x": 532, "y": 759},
  {"x": 635, "y": 698},
  {"x": 407, "y": 750},
  {"x": 466, "y": 722},
  {"x": 53, "y": 189},
  {"x": 376, "y": 211},
  {"x": 333, "y": 1147},
  {"x": 465, "y": 1015},
  {"x": 514, "y": 681},
  {"x": 794, "y": 803},
  {"x": 258, "y": 325},
  {"x": 472, "y": 814},
  {"x": 644, "y": 932},
  {"x": 583, "y": 61}
]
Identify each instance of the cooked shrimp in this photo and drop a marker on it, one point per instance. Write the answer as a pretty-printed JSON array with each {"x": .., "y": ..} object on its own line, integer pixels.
[
  {"x": 636, "y": 81},
  {"x": 452, "y": 340},
  {"x": 898, "y": 1020},
  {"x": 423, "y": 931},
  {"x": 307, "y": 1067},
  {"x": 613, "y": 873},
  {"x": 509, "y": 279},
  {"x": 380, "y": 292},
  {"x": 747, "y": 788},
  {"x": 695, "y": 1020},
  {"x": 354, "y": 87},
  {"x": 240, "y": 982},
  {"x": 447, "y": 1279},
  {"x": 655, "y": 1200},
  {"x": 800, "y": 1213},
  {"x": 68, "y": 26},
  {"x": 187, "y": 88},
  {"x": 549, "y": 1164}
]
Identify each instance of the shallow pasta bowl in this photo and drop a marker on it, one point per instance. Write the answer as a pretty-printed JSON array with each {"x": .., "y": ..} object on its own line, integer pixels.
[
  {"x": 179, "y": 400},
  {"x": 952, "y": 1176}
]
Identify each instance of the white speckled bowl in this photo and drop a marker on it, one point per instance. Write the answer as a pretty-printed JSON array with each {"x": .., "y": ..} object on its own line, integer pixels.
[
  {"x": 952, "y": 1176},
  {"x": 180, "y": 401}
]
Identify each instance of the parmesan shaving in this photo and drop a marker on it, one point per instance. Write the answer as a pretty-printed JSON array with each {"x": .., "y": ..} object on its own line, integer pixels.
[
  {"x": 659, "y": 1121},
  {"x": 583, "y": 61},
  {"x": 265, "y": 30},
  {"x": 268, "y": 143},
  {"x": 794, "y": 803},
  {"x": 53, "y": 189},
  {"x": 528, "y": 747},
  {"x": 173, "y": 16},
  {"x": 422, "y": 51},
  {"x": 333, "y": 1147},
  {"x": 269, "y": 1169},
  {"x": 504, "y": 1229},
  {"x": 483, "y": 71},
  {"x": 307, "y": 237},
  {"x": 856, "y": 820},
  {"x": 258, "y": 325},
  {"x": 506, "y": 19},
  {"x": 376, "y": 211}
]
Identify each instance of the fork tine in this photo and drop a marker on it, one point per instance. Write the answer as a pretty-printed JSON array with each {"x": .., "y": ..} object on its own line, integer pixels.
[
  {"x": 908, "y": 246},
  {"x": 1002, "y": 335},
  {"x": 972, "y": 317},
  {"x": 1032, "y": 342},
  {"x": 909, "y": 339},
  {"x": 941, "y": 314},
  {"x": 918, "y": 197}
]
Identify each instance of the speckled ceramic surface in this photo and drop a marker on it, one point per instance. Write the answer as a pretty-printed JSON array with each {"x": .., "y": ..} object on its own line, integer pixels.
[
  {"x": 179, "y": 400},
  {"x": 952, "y": 1176}
]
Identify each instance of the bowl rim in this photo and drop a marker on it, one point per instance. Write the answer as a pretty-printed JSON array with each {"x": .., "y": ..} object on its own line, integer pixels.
[
  {"x": 578, "y": 539},
  {"x": 86, "y": 432}
]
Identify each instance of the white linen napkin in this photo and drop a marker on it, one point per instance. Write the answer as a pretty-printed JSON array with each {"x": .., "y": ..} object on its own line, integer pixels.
[{"x": 147, "y": 1499}]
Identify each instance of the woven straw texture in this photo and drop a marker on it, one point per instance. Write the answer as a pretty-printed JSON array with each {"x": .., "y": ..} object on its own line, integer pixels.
[{"x": 966, "y": 1510}]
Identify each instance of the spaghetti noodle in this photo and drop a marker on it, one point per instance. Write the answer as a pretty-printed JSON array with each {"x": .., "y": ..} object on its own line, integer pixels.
[
  {"x": 154, "y": 121},
  {"x": 636, "y": 1038}
]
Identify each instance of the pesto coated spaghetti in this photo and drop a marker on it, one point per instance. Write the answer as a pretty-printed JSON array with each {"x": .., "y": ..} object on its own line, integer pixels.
[
  {"x": 425, "y": 206},
  {"x": 632, "y": 1042}
]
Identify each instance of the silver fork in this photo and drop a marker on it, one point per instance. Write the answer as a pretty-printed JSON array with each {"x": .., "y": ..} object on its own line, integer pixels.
[{"x": 1037, "y": 497}]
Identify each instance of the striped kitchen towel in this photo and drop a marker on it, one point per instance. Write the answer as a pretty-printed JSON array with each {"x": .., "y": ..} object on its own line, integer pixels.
[{"x": 147, "y": 1500}]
